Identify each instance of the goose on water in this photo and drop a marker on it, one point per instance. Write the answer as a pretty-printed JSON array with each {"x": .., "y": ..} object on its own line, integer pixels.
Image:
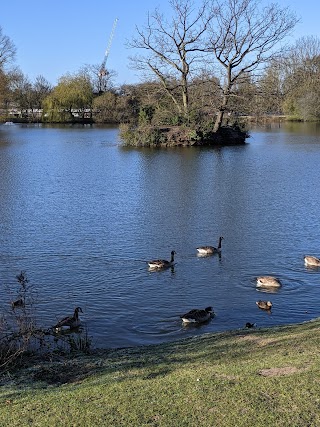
[
  {"x": 197, "y": 315},
  {"x": 250, "y": 325},
  {"x": 209, "y": 250},
  {"x": 311, "y": 261},
  {"x": 264, "y": 305},
  {"x": 70, "y": 321},
  {"x": 268, "y": 282},
  {"x": 17, "y": 303},
  {"x": 158, "y": 264}
]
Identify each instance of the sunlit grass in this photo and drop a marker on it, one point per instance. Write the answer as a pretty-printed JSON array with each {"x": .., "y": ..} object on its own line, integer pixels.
[{"x": 267, "y": 377}]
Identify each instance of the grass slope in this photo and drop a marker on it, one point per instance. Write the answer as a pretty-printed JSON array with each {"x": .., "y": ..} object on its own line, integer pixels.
[{"x": 260, "y": 377}]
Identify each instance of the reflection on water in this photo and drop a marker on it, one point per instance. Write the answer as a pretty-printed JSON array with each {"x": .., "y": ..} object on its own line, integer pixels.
[{"x": 82, "y": 216}]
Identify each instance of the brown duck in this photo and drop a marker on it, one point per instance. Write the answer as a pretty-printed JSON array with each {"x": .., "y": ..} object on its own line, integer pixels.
[{"x": 264, "y": 305}]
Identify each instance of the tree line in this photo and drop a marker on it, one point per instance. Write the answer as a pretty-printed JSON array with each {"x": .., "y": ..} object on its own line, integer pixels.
[{"x": 206, "y": 64}]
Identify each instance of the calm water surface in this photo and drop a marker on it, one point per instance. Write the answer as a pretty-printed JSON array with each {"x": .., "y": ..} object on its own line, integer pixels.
[{"x": 82, "y": 215}]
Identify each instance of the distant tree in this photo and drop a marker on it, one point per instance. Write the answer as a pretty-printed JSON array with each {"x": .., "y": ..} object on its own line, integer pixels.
[
  {"x": 41, "y": 88},
  {"x": 100, "y": 84},
  {"x": 8, "y": 82},
  {"x": 28, "y": 96},
  {"x": 7, "y": 50},
  {"x": 7, "y": 56},
  {"x": 173, "y": 48},
  {"x": 152, "y": 104},
  {"x": 72, "y": 94},
  {"x": 21, "y": 88},
  {"x": 4, "y": 89},
  {"x": 129, "y": 103},
  {"x": 302, "y": 79},
  {"x": 243, "y": 101},
  {"x": 243, "y": 37},
  {"x": 105, "y": 108},
  {"x": 204, "y": 98},
  {"x": 270, "y": 89}
]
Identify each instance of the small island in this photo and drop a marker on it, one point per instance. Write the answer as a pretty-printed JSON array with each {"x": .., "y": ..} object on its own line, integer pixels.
[{"x": 181, "y": 136}]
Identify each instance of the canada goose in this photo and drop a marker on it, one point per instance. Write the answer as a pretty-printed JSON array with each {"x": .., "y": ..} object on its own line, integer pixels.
[
  {"x": 268, "y": 282},
  {"x": 264, "y": 305},
  {"x": 209, "y": 250},
  {"x": 70, "y": 321},
  {"x": 17, "y": 303},
  {"x": 162, "y": 263},
  {"x": 197, "y": 315},
  {"x": 311, "y": 261}
]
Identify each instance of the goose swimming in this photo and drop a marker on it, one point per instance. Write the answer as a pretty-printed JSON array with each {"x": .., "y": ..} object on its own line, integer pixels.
[
  {"x": 197, "y": 315},
  {"x": 70, "y": 321},
  {"x": 162, "y": 263},
  {"x": 17, "y": 303},
  {"x": 311, "y": 261},
  {"x": 209, "y": 250},
  {"x": 268, "y": 282}
]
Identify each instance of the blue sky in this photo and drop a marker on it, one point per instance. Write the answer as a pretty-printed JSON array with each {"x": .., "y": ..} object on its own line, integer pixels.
[{"x": 53, "y": 38}]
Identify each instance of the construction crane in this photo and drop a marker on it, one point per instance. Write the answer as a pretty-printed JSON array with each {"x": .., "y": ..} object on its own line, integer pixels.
[{"x": 103, "y": 72}]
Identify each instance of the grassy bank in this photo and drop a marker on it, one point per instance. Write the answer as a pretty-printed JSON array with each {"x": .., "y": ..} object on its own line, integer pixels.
[{"x": 254, "y": 377}]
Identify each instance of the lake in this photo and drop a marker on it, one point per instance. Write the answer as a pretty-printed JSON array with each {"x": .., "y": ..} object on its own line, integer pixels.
[{"x": 81, "y": 215}]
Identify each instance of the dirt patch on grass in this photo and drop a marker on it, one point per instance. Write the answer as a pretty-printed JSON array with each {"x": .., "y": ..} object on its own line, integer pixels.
[
  {"x": 275, "y": 372},
  {"x": 258, "y": 340}
]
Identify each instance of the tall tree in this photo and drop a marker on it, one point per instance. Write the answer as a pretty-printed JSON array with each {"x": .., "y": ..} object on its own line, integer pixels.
[
  {"x": 99, "y": 84},
  {"x": 29, "y": 96},
  {"x": 173, "y": 47},
  {"x": 7, "y": 50},
  {"x": 7, "y": 56},
  {"x": 243, "y": 38}
]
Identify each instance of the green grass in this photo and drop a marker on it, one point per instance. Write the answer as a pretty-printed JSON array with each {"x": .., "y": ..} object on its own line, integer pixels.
[{"x": 261, "y": 377}]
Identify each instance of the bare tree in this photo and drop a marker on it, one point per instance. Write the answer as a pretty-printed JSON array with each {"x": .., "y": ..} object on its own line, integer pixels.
[
  {"x": 302, "y": 62},
  {"x": 7, "y": 55},
  {"x": 100, "y": 83},
  {"x": 173, "y": 48},
  {"x": 244, "y": 37},
  {"x": 7, "y": 50},
  {"x": 270, "y": 89}
]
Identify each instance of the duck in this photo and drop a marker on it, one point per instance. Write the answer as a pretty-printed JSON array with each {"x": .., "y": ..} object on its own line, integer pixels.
[
  {"x": 250, "y": 325},
  {"x": 70, "y": 321},
  {"x": 158, "y": 264},
  {"x": 264, "y": 305},
  {"x": 311, "y": 261},
  {"x": 209, "y": 250},
  {"x": 197, "y": 315},
  {"x": 268, "y": 282}
]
